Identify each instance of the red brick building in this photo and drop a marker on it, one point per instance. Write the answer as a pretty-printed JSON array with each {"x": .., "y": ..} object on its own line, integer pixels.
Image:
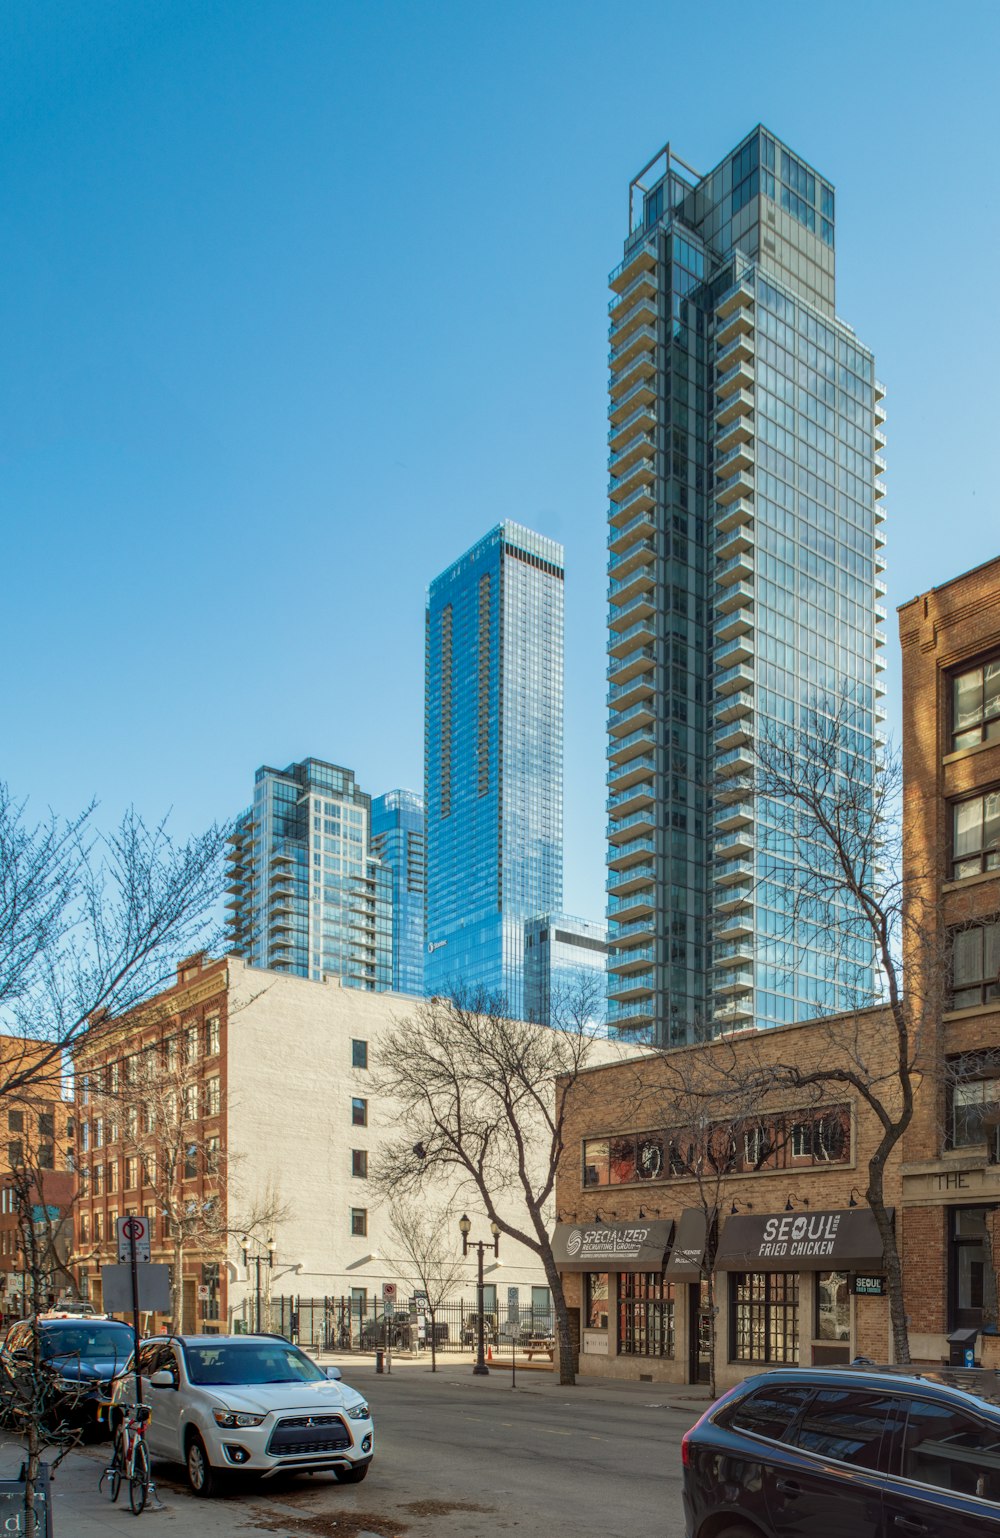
[
  {"x": 951, "y": 762},
  {"x": 151, "y": 1097}
]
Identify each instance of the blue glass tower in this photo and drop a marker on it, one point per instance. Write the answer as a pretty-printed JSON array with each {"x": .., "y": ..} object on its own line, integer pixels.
[
  {"x": 306, "y": 894},
  {"x": 398, "y": 842},
  {"x": 745, "y": 585},
  {"x": 493, "y": 749},
  {"x": 564, "y": 971}
]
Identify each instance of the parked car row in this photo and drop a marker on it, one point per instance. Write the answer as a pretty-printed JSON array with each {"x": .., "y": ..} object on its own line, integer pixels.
[{"x": 241, "y": 1404}]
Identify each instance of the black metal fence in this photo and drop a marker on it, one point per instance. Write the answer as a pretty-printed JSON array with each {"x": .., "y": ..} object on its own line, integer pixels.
[{"x": 361, "y": 1324}]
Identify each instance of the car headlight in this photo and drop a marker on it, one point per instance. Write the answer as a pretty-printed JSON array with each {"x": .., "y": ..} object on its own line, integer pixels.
[
  {"x": 233, "y": 1418},
  {"x": 359, "y": 1412}
]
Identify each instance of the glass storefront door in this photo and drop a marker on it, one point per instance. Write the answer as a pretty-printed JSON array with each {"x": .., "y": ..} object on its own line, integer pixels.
[
  {"x": 699, "y": 1333},
  {"x": 973, "y": 1269}
]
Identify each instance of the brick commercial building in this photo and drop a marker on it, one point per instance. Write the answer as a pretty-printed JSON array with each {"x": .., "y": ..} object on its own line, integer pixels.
[
  {"x": 798, "y": 1265},
  {"x": 951, "y": 760}
]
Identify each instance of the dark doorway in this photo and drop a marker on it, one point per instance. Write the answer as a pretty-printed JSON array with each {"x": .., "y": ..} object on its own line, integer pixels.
[{"x": 699, "y": 1332}]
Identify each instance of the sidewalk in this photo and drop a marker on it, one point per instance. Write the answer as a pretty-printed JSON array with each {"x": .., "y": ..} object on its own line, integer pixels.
[{"x": 532, "y": 1378}]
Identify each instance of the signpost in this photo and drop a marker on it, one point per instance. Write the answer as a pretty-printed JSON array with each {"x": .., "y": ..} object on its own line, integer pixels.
[
  {"x": 133, "y": 1242},
  {"x": 388, "y": 1311}
]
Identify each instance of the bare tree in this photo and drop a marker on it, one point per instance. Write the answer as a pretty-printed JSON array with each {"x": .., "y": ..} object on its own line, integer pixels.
[
  {"x": 92, "y": 922},
  {"x": 835, "y": 838},
  {"x": 152, "y": 1105},
  {"x": 483, "y": 1100},
  {"x": 425, "y": 1237}
]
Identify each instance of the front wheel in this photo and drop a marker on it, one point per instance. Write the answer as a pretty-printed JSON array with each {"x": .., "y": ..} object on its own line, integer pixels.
[
  {"x": 201, "y": 1475},
  {"x": 117, "y": 1464},
  {"x": 138, "y": 1484},
  {"x": 353, "y": 1475}
]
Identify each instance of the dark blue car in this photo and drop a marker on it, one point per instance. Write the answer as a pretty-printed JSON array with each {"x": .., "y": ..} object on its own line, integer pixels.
[
  {"x": 843, "y": 1454},
  {"x": 79, "y": 1360}
]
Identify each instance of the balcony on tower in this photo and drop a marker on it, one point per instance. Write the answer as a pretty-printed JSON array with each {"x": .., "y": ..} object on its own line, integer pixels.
[
  {"x": 635, "y": 882},
  {"x": 736, "y": 844},
  {"x": 642, "y": 633},
  {"x": 739, "y": 568},
  {"x": 625, "y": 830},
  {"x": 738, "y": 348},
  {"x": 735, "y": 475},
  {"x": 641, "y": 312},
  {"x": 622, "y": 776},
  {"x": 641, "y": 419},
  {"x": 739, "y": 429},
  {"x": 733, "y": 897},
  {"x": 642, "y": 286},
  {"x": 641, "y": 472},
  {"x": 730, "y": 954},
  {"x": 630, "y": 691},
  {"x": 639, "y": 959},
  {"x": 732, "y": 734},
  {"x": 736, "y": 403},
  {"x": 639, "y": 526},
  {"x": 642, "y": 552},
  {"x": 621, "y": 856},
  {"x": 639, "y": 446},
  {"x": 633, "y": 798},
  {"x": 640, "y": 258},
  {"x": 735, "y": 980},
  {"x": 641, "y": 500},
  {"x": 739, "y": 297},
  {"x": 734, "y": 761},
  {"x": 739, "y": 814},
  {"x": 739, "y": 322},
  {"x": 736, "y": 925},
  {"x": 739, "y": 377},
  {"x": 738, "y": 675},
  {"x": 736, "y": 541},
  {"x": 731, "y": 706},
  {"x": 620, "y": 358},
  {"x": 735, "y": 595},
  {"x": 633, "y": 588},
  {"x": 642, "y": 392},
  {"x": 631, "y": 746},
  {"x": 736, "y": 1011},
  {"x": 642, "y": 659},
  {"x": 628, "y": 719},
  {"x": 629, "y": 988},
  {"x": 737, "y": 622}
]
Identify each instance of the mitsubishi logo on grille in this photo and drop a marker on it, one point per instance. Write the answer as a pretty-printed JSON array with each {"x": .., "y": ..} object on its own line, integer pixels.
[{"x": 309, "y": 1420}]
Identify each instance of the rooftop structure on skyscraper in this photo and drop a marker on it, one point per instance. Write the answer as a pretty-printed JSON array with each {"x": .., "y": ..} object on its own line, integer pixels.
[
  {"x": 745, "y": 563},
  {"x": 493, "y": 747}
]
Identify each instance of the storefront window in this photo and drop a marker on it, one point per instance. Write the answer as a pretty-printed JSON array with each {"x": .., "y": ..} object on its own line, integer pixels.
[
  {"x": 597, "y": 1300},
  {"x": 765, "y": 1316},
  {"x": 645, "y": 1314},
  {"x": 833, "y": 1306},
  {"x": 622, "y": 1161}
]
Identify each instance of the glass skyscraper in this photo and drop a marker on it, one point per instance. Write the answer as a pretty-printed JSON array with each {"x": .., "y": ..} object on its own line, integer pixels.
[
  {"x": 493, "y": 747},
  {"x": 398, "y": 842},
  {"x": 564, "y": 969},
  {"x": 306, "y": 894},
  {"x": 745, "y": 586}
]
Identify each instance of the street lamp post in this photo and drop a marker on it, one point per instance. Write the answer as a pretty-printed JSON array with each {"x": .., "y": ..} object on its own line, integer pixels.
[
  {"x": 465, "y": 1225},
  {"x": 261, "y": 1257}
]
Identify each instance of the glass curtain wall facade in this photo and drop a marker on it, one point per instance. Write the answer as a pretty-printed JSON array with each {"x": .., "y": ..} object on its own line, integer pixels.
[
  {"x": 398, "y": 842},
  {"x": 564, "y": 966},
  {"x": 745, "y": 588},
  {"x": 493, "y": 759},
  {"x": 306, "y": 894}
]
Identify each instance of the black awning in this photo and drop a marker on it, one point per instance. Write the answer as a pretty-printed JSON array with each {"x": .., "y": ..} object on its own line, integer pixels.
[
  {"x": 841, "y": 1239},
  {"x": 688, "y": 1253},
  {"x": 639, "y": 1246}
]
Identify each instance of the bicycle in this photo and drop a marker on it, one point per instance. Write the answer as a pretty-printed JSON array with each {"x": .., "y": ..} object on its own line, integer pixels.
[{"x": 130, "y": 1459}]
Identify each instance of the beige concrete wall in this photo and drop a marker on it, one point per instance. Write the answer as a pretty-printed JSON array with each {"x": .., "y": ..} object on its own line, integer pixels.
[{"x": 289, "y": 1125}]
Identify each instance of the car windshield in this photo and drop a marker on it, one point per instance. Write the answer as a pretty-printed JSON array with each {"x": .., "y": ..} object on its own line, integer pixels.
[
  {"x": 252, "y": 1362},
  {"x": 84, "y": 1340}
]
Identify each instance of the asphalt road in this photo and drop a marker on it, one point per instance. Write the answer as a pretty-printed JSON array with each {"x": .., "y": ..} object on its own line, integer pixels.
[{"x": 457, "y": 1457}]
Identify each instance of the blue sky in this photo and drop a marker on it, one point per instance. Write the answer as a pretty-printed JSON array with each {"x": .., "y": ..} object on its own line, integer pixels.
[{"x": 300, "y": 298}]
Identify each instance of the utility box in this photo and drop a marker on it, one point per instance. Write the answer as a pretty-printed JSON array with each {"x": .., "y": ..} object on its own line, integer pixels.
[{"x": 962, "y": 1347}]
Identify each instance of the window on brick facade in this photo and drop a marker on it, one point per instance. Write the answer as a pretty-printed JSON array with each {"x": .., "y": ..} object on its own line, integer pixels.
[
  {"x": 46, "y": 1156},
  {"x": 975, "y": 704},
  {"x": 15, "y": 1153},
  {"x": 191, "y": 1043},
  {"x": 975, "y": 835},
  {"x": 190, "y": 1161},
  {"x": 46, "y": 1124},
  {"x": 149, "y": 1213},
  {"x": 359, "y": 1112},
  {"x": 212, "y": 1036},
  {"x": 98, "y": 1179},
  {"x": 131, "y": 1173},
  {"x": 213, "y": 1147},
  {"x": 975, "y": 966},
  {"x": 15, "y": 1121},
  {"x": 974, "y": 1109},
  {"x": 84, "y": 1227},
  {"x": 112, "y": 1177},
  {"x": 359, "y": 1054},
  {"x": 359, "y": 1222},
  {"x": 213, "y": 1096},
  {"x": 190, "y": 1102},
  {"x": 359, "y": 1163},
  {"x": 98, "y": 1226}
]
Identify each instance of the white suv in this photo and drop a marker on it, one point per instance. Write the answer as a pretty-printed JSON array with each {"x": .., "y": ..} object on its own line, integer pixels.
[{"x": 251, "y": 1404}]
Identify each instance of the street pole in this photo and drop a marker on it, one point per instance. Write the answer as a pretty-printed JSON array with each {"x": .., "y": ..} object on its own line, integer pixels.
[
  {"x": 480, "y": 1369},
  {"x": 256, "y": 1317}
]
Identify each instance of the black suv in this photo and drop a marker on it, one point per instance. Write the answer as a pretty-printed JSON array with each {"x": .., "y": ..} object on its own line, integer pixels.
[
  {"x": 80, "y": 1358},
  {"x": 843, "y": 1454}
]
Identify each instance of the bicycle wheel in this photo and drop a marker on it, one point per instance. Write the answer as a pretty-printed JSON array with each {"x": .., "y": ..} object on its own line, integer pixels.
[
  {"x": 138, "y": 1482},
  {"x": 114, "y": 1473}
]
